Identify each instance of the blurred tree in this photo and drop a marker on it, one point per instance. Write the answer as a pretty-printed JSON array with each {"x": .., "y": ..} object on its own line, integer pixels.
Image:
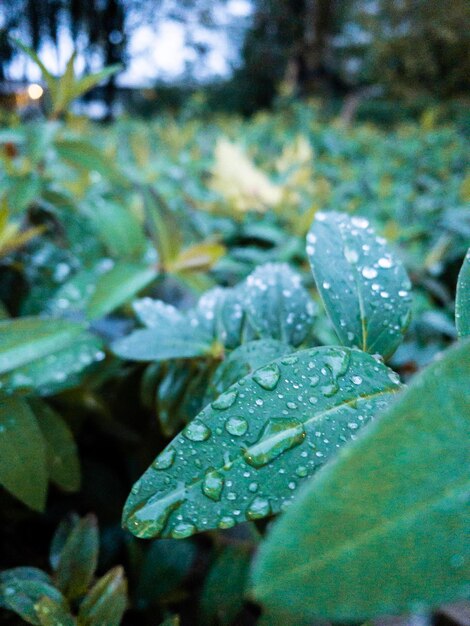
[
  {"x": 416, "y": 45},
  {"x": 291, "y": 40}
]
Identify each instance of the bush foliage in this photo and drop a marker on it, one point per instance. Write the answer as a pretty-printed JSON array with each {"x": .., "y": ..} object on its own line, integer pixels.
[{"x": 231, "y": 310}]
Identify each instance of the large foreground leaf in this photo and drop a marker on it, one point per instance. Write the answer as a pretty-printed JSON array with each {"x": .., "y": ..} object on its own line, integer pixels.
[
  {"x": 22, "y": 453},
  {"x": 244, "y": 456},
  {"x": 364, "y": 287},
  {"x": 385, "y": 528},
  {"x": 462, "y": 299}
]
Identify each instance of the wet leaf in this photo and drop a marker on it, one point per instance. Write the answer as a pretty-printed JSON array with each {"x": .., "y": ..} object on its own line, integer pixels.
[
  {"x": 106, "y": 602},
  {"x": 364, "y": 287},
  {"x": 462, "y": 299},
  {"x": 78, "y": 558},
  {"x": 244, "y": 360},
  {"x": 45, "y": 355},
  {"x": 22, "y": 587},
  {"x": 23, "y": 469},
  {"x": 29, "y": 338},
  {"x": 392, "y": 508},
  {"x": 277, "y": 305},
  {"x": 245, "y": 455},
  {"x": 177, "y": 341},
  {"x": 63, "y": 464}
]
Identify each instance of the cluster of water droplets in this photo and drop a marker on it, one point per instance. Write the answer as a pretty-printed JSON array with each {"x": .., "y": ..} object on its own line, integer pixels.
[
  {"x": 361, "y": 281},
  {"x": 270, "y": 303},
  {"x": 48, "y": 368},
  {"x": 245, "y": 455}
]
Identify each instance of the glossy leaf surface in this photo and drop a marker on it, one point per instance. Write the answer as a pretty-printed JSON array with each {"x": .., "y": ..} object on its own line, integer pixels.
[
  {"x": 277, "y": 304},
  {"x": 364, "y": 287},
  {"x": 245, "y": 455},
  {"x": 392, "y": 508},
  {"x": 462, "y": 299},
  {"x": 45, "y": 355},
  {"x": 167, "y": 342}
]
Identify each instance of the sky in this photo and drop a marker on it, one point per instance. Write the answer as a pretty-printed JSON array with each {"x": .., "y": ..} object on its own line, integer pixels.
[{"x": 157, "y": 52}]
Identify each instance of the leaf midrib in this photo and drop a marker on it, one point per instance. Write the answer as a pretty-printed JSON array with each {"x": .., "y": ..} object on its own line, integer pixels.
[
  {"x": 316, "y": 417},
  {"x": 376, "y": 531}
]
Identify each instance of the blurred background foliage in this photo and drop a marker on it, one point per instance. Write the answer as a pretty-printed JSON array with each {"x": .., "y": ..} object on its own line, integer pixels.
[{"x": 359, "y": 106}]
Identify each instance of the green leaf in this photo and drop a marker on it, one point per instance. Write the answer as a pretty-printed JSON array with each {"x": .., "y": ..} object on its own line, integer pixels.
[
  {"x": 118, "y": 286},
  {"x": 176, "y": 341},
  {"x": 60, "y": 537},
  {"x": 78, "y": 559},
  {"x": 85, "y": 156},
  {"x": 53, "y": 613},
  {"x": 86, "y": 83},
  {"x": 462, "y": 299},
  {"x": 364, "y": 287},
  {"x": 22, "y": 587},
  {"x": 63, "y": 464},
  {"x": 106, "y": 602},
  {"x": 117, "y": 227},
  {"x": 384, "y": 529},
  {"x": 64, "y": 86},
  {"x": 26, "y": 339},
  {"x": 245, "y": 455},
  {"x": 277, "y": 305},
  {"x": 245, "y": 359},
  {"x": 45, "y": 355},
  {"x": 22, "y": 453},
  {"x": 222, "y": 596}
]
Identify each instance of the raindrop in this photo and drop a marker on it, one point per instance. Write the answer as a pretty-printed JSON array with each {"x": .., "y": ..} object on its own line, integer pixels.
[
  {"x": 385, "y": 262},
  {"x": 351, "y": 255},
  {"x": 149, "y": 518},
  {"x": 197, "y": 431},
  {"x": 357, "y": 380},
  {"x": 183, "y": 530},
  {"x": 236, "y": 426},
  {"x": 225, "y": 401},
  {"x": 277, "y": 436},
  {"x": 369, "y": 272},
  {"x": 329, "y": 390},
  {"x": 213, "y": 485},
  {"x": 267, "y": 377},
  {"x": 165, "y": 459},
  {"x": 226, "y": 522},
  {"x": 258, "y": 508}
]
